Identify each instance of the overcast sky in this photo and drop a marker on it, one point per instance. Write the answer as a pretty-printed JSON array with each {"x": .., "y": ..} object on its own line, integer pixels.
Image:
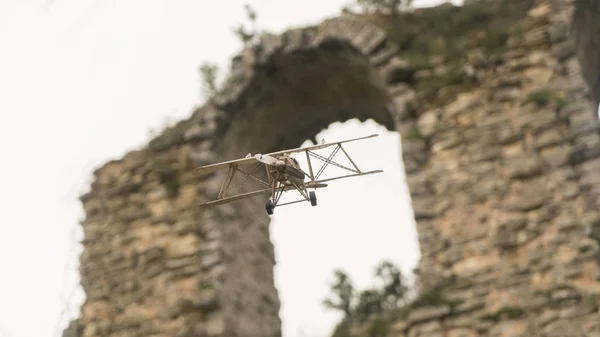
[{"x": 82, "y": 82}]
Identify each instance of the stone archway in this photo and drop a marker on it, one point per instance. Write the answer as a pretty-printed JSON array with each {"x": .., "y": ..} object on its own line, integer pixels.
[
  {"x": 501, "y": 177},
  {"x": 306, "y": 79},
  {"x": 183, "y": 272}
]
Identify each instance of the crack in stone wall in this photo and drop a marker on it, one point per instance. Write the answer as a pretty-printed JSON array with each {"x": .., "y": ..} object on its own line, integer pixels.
[{"x": 503, "y": 183}]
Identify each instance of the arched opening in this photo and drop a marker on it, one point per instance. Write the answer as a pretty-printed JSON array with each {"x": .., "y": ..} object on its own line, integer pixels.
[
  {"x": 295, "y": 95},
  {"x": 357, "y": 223}
]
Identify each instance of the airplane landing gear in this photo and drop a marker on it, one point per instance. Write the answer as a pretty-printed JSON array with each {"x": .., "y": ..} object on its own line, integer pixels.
[
  {"x": 313, "y": 198},
  {"x": 269, "y": 207}
]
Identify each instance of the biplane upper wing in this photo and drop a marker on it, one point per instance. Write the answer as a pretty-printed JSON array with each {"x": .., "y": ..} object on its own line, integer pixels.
[
  {"x": 215, "y": 167},
  {"x": 319, "y": 146},
  {"x": 251, "y": 160}
]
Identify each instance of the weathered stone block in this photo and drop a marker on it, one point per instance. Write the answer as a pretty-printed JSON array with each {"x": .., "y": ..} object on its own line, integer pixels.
[
  {"x": 510, "y": 80},
  {"x": 548, "y": 138},
  {"x": 564, "y": 50},
  {"x": 523, "y": 168},
  {"x": 527, "y": 201},
  {"x": 538, "y": 121},
  {"x": 489, "y": 187},
  {"x": 427, "y": 122},
  {"x": 445, "y": 142},
  {"x": 557, "y": 156},
  {"x": 397, "y": 70},
  {"x": 507, "y": 94},
  {"x": 382, "y": 55},
  {"x": 428, "y": 207},
  {"x": 463, "y": 103}
]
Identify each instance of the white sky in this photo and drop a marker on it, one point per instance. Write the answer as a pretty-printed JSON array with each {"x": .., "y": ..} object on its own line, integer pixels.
[{"x": 82, "y": 82}]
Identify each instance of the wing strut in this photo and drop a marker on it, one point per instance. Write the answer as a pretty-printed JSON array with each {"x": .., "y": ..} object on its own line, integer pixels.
[
  {"x": 226, "y": 186},
  {"x": 329, "y": 160}
]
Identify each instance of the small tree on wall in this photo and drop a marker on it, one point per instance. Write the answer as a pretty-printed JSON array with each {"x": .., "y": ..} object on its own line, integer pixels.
[
  {"x": 369, "y": 303},
  {"x": 394, "y": 289},
  {"x": 247, "y": 35},
  {"x": 390, "y": 294},
  {"x": 343, "y": 293},
  {"x": 208, "y": 72},
  {"x": 392, "y": 7}
]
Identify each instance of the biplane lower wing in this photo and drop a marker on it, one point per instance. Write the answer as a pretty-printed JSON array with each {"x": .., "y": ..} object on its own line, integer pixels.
[{"x": 265, "y": 191}]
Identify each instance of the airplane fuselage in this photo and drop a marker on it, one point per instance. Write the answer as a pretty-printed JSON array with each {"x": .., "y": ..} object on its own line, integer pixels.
[{"x": 287, "y": 170}]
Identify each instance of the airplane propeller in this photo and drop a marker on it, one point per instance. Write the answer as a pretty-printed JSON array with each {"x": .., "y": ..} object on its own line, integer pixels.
[{"x": 266, "y": 159}]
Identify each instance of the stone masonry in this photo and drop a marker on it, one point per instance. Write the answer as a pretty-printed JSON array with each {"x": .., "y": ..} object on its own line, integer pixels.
[
  {"x": 504, "y": 185},
  {"x": 503, "y": 179}
]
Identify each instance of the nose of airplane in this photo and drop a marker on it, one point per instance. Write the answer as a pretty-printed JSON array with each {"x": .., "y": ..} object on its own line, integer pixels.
[{"x": 280, "y": 165}]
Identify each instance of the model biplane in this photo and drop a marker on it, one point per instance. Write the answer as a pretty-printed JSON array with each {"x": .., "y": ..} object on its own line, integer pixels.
[{"x": 283, "y": 173}]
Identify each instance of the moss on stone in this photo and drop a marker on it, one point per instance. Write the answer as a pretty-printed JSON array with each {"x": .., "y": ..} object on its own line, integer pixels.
[
  {"x": 379, "y": 327},
  {"x": 435, "y": 297},
  {"x": 593, "y": 300},
  {"x": 445, "y": 34},
  {"x": 560, "y": 102},
  {"x": 446, "y": 30},
  {"x": 205, "y": 285},
  {"x": 585, "y": 249},
  {"x": 543, "y": 97},
  {"x": 419, "y": 60},
  {"x": 548, "y": 292},
  {"x": 343, "y": 329},
  {"x": 506, "y": 312},
  {"x": 430, "y": 298},
  {"x": 171, "y": 183},
  {"x": 494, "y": 40},
  {"x": 414, "y": 133}
]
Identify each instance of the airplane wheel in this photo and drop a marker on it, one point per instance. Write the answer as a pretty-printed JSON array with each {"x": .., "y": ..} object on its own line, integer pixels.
[
  {"x": 269, "y": 207},
  {"x": 313, "y": 198}
]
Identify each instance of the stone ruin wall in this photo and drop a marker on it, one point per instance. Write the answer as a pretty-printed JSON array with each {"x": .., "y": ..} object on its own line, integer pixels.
[{"x": 504, "y": 188}]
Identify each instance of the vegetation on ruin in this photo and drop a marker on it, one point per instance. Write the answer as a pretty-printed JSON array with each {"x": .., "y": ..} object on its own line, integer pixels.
[
  {"x": 389, "y": 7},
  {"x": 246, "y": 35},
  {"x": 171, "y": 183},
  {"x": 448, "y": 31},
  {"x": 543, "y": 97},
  {"x": 360, "y": 306},
  {"x": 566, "y": 292},
  {"x": 209, "y": 71},
  {"x": 414, "y": 133},
  {"x": 557, "y": 288},
  {"x": 443, "y": 42},
  {"x": 375, "y": 310},
  {"x": 506, "y": 312}
]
